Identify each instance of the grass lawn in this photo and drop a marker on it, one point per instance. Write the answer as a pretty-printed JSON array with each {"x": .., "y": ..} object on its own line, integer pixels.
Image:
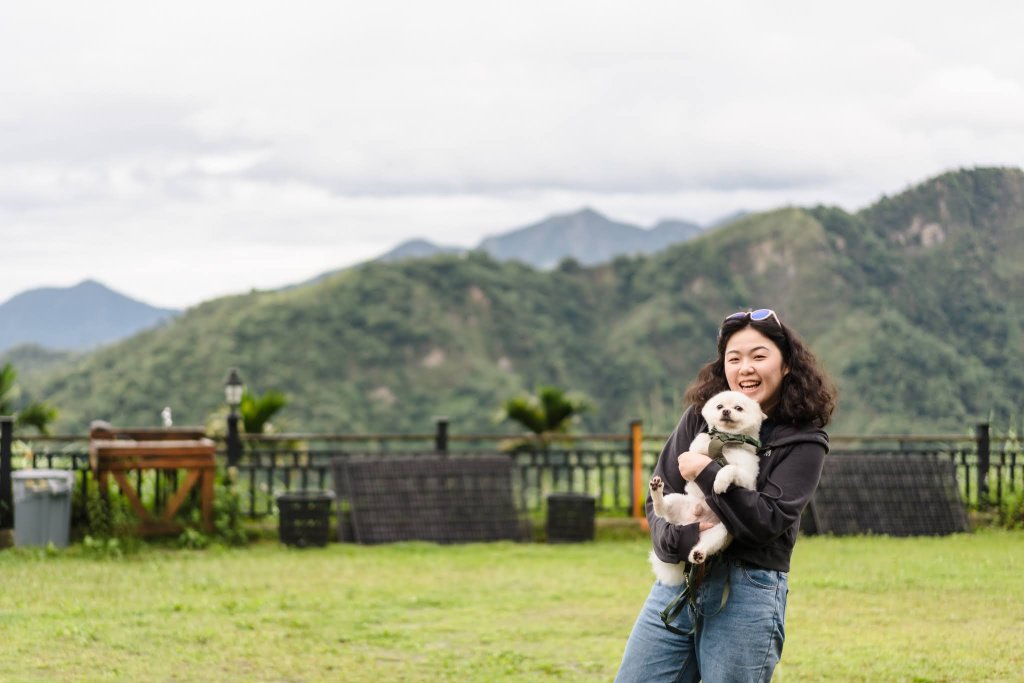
[{"x": 860, "y": 609}]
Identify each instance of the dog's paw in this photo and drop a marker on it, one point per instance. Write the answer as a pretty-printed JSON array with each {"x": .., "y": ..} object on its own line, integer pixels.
[
  {"x": 656, "y": 483},
  {"x": 697, "y": 556},
  {"x": 723, "y": 480}
]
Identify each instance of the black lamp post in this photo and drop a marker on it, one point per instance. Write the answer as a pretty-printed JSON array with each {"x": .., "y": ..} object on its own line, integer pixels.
[
  {"x": 233, "y": 393},
  {"x": 6, "y": 492}
]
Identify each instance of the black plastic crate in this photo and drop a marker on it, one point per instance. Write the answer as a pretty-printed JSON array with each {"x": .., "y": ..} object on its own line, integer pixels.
[
  {"x": 305, "y": 517},
  {"x": 570, "y": 517}
]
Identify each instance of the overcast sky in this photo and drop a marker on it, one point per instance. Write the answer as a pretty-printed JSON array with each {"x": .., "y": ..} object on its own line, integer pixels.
[{"x": 178, "y": 151}]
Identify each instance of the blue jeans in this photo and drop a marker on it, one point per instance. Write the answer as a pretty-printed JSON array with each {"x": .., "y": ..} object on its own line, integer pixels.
[{"x": 739, "y": 641}]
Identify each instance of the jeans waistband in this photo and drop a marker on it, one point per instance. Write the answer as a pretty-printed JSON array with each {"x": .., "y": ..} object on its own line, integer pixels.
[{"x": 748, "y": 565}]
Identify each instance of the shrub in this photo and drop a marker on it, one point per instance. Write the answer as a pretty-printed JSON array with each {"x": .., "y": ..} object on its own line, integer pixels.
[{"x": 1010, "y": 511}]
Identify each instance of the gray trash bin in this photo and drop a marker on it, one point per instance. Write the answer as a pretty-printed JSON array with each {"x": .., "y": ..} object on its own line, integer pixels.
[{"x": 42, "y": 507}]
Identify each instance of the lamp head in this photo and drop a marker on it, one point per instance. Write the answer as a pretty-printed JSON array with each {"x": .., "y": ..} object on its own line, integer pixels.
[{"x": 233, "y": 388}]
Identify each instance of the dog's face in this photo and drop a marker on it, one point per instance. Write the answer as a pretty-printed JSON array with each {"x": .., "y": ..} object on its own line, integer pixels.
[{"x": 733, "y": 412}]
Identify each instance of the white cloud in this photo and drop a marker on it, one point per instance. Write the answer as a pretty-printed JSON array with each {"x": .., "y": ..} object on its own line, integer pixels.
[
  {"x": 965, "y": 97},
  {"x": 265, "y": 142}
]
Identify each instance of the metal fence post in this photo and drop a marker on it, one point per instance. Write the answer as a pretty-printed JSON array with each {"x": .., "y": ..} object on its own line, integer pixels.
[
  {"x": 6, "y": 493},
  {"x": 441, "y": 435},
  {"x": 637, "y": 497},
  {"x": 981, "y": 435}
]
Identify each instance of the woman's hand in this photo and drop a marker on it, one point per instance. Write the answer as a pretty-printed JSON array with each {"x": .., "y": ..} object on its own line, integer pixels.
[{"x": 691, "y": 464}]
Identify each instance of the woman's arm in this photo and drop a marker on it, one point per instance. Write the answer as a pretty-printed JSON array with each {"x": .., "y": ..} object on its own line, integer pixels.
[
  {"x": 758, "y": 517},
  {"x": 673, "y": 542}
]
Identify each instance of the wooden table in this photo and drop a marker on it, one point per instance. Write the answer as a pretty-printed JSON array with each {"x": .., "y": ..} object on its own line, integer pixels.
[{"x": 118, "y": 457}]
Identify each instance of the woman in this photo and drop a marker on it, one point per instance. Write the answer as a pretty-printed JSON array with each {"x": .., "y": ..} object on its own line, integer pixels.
[{"x": 732, "y": 627}]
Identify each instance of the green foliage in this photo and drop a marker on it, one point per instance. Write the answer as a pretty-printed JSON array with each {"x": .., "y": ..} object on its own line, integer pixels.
[
  {"x": 109, "y": 525},
  {"x": 8, "y": 388},
  {"x": 104, "y": 548},
  {"x": 258, "y": 409},
  {"x": 864, "y": 258},
  {"x": 918, "y": 378},
  {"x": 111, "y": 522},
  {"x": 193, "y": 539},
  {"x": 228, "y": 518},
  {"x": 35, "y": 414},
  {"x": 550, "y": 412},
  {"x": 38, "y": 415},
  {"x": 33, "y": 359},
  {"x": 1010, "y": 511}
]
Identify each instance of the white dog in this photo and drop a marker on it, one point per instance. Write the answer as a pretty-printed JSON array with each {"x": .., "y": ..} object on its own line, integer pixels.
[{"x": 735, "y": 422}]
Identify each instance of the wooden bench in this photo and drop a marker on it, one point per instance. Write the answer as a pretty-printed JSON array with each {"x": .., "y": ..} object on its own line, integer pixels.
[{"x": 117, "y": 452}]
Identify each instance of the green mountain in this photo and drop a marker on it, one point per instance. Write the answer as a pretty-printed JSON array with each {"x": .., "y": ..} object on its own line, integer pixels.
[
  {"x": 33, "y": 358},
  {"x": 911, "y": 303}
]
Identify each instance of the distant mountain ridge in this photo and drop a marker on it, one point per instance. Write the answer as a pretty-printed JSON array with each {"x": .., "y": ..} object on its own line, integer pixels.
[
  {"x": 76, "y": 318},
  {"x": 585, "y": 236},
  {"x": 417, "y": 248}
]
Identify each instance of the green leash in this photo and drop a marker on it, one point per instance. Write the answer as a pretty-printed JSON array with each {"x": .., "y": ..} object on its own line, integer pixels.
[
  {"x": 673, "y": 610},
  {"x": 694, "y": 577}
]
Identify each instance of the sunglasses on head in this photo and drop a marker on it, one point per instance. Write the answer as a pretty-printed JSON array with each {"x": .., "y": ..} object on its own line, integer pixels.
[{"x": 756, "y": 315}]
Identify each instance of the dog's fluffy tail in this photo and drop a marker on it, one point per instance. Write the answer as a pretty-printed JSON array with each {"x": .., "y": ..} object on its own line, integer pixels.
[{"x": 668, "y": 574}]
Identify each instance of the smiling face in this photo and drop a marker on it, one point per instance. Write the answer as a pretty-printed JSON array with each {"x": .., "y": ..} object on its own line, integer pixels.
[{"x": 754, "y": 367}]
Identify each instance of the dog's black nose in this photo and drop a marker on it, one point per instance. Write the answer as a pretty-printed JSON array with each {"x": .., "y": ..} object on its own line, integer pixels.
[{"x": 725, "y": 413}]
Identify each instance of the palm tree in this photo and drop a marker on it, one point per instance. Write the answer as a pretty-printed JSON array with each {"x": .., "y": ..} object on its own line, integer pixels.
[
  {"x": 256, "y": 409},
  {"x": 37, "y": 414},
  {"x": 551, "y": 412},
  {"x": 8, "y": 389}
]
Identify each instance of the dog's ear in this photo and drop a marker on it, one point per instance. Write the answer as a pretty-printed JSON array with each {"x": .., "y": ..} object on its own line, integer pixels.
[{"x": 763, "y": 416}]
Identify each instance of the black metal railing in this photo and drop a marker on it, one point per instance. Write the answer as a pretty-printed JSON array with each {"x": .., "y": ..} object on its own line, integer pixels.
[
  {"x": 604, "y": 473},
  {"x": 988, "y": 468}
]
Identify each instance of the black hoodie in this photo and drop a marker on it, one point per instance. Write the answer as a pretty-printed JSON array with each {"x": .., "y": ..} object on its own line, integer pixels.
[{"x": 763, "y": 522}]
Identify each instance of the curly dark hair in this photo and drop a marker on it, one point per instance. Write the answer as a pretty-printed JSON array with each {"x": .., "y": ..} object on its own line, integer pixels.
[{"x": 807, "y": 394}]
